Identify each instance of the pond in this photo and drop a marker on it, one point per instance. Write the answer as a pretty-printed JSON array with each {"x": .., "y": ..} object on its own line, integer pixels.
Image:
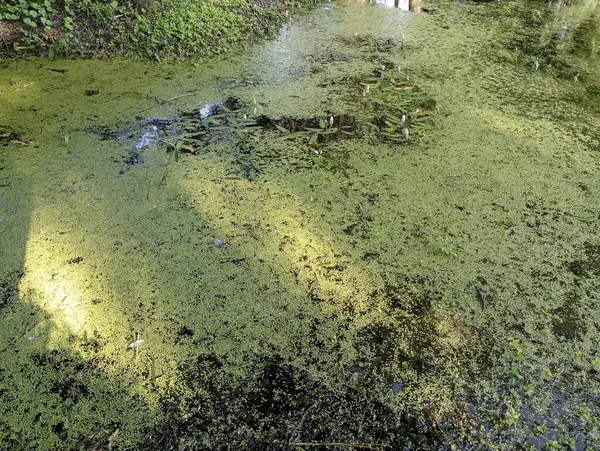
[{"x": 378, "y": 230}]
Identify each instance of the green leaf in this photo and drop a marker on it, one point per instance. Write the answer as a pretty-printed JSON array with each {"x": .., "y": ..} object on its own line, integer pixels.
[
  {"x": 421, "y": 126},
  {"x": 393, "y": 118},
  {"x": 282, "y": 129}
]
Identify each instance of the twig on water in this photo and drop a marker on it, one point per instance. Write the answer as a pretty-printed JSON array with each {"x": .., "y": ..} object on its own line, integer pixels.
[
  {"x": 171, "y": 99},
  {"x": 302, "y": 420},
  {"x": 480, "y": 296},
  {"x": 111, "y": 438},
  {"x": 433, "y": 416}
]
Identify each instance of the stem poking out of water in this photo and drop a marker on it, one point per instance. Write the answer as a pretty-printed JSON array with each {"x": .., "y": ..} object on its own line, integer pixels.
[{"x": 171, "y": 99}]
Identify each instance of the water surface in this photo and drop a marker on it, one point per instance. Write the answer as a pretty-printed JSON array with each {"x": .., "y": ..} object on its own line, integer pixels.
[{"x": 427, "y": 278}]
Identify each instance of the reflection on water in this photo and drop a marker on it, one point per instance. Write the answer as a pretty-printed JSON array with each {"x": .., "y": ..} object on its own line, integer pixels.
[
  {"x": 403, "y": 5},
  {"x": 208, "y": 109}
]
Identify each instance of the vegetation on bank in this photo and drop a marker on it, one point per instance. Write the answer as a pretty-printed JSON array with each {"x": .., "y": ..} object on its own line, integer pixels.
[{"x": 154, "y": 29}]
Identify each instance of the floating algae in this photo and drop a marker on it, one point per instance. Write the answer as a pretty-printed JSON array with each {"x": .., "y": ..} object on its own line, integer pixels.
[{"x": 437, "y": 294}]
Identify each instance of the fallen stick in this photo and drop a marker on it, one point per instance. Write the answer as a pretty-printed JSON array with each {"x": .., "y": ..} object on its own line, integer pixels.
[{"x": 171, "y": 99}]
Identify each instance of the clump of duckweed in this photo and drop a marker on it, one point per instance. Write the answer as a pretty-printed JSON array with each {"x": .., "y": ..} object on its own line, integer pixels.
[{"x": 374, "y": 43}]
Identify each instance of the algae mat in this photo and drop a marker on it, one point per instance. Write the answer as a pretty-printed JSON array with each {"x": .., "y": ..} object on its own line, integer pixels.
[{"x": 379, "y": 229}]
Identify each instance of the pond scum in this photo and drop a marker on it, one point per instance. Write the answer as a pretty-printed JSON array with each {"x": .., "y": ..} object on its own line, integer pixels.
[{"x": 377, "y": 231}]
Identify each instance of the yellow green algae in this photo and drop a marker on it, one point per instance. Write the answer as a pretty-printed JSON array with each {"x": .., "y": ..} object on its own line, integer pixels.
[{"x": 442, "y": 294}]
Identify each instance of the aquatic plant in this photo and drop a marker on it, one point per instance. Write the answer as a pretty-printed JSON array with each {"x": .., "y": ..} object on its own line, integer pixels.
[
  {"x": 249, "y": 134},
  {"x": 400, "y": 111}
]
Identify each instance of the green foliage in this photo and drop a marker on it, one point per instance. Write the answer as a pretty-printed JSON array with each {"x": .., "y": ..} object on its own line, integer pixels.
[
  {"x": 51, "y": 25},
  {"x": 154, "y": 29},
  {"x": 400, "y": 110},
  {"x": 37, "y": 19},
  {"x": 185, "y": 28}
]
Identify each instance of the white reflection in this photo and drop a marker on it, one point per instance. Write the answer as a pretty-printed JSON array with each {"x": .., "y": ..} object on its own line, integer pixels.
[{"x": 403, "y": 5}]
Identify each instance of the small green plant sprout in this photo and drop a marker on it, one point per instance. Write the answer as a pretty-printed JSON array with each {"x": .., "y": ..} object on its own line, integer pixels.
[
  {"x": 153, "y": 374},
  {"x": 172, "y": 155},
  {"x": 512, "y": 415},
  {"x": 60, "y": 45},
  {"x": 256, "y": 107},
  {"x": 514, "y": 376},
  {"x": 515, "y": 345}
]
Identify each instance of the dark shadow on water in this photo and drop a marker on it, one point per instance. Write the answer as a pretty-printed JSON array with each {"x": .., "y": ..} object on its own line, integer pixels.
[{"x": 53, "y": 398}]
